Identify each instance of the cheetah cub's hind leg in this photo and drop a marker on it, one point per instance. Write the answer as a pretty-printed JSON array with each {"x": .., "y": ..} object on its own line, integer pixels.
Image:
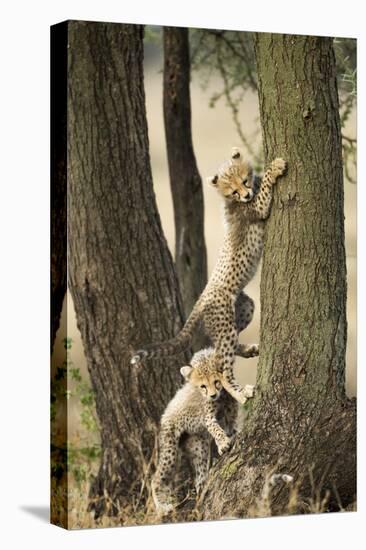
[
  {"x": 221, "y": 325},
  {"x": 163, "y": 500},
  {"x": 162, "y": 481},
  {"x": 198, "y": 450},
  {"x": 244, "y": 310}
]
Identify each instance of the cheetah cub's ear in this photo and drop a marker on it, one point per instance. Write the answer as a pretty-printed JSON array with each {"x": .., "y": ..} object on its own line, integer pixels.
[
  {"x": 186, "y": 372},
  {"x": 236, "y": 156},
  {"x": 212, "y": 180}
]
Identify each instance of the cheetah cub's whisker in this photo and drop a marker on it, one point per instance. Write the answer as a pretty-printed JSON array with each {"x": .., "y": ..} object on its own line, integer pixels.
[
  {"x": 199, "y": 409},
  {"x": 224, "y": 308}
]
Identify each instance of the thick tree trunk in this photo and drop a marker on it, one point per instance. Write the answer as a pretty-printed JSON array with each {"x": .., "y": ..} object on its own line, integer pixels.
[
  {"x": 121, "y": 274},
  {"x": 58, "y": 173},
  {"x": 300, "y": 422},
  {"x": 185, "y": 181}
]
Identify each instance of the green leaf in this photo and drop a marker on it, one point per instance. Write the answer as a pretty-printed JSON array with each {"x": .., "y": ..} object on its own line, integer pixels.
[{"x": 68, "y": 343}]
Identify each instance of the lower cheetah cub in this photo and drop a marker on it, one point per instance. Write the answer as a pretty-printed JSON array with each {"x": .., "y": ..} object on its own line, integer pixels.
[{"x": 200, "y": 406}]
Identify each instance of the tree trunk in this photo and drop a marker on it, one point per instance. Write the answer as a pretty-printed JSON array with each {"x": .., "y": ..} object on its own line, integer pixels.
[
  {"x": 300, "y": 422},
  {"x": 185, "y": 181},
  {"x": 58, "y": 173},
  {"x": 121, "y": 274}
]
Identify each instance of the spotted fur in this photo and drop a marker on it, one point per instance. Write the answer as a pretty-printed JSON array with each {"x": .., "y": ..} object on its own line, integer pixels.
[
  {"x": 223, "y": 307},
  {"x": 200, "y": 409}
]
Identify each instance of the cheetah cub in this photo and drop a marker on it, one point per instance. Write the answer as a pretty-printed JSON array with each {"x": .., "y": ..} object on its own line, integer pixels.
[
  {"x": 200, "y": 406},
  {"x": 223, "y": 307}
]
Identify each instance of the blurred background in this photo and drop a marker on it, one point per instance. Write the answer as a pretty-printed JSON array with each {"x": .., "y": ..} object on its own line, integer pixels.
[{"x": 214, "y": 133}]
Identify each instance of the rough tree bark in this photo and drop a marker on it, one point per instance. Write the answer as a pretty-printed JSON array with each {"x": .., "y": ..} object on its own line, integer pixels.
[
  {"x": 300, "y": 422},
  {"x": 58, "y": 174},
  {"x": 121, "y": 274},
  {"x": 185, "y": 181}
]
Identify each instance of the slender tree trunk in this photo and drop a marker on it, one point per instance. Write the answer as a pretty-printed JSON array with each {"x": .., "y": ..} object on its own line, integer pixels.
[
  {"x": 185, "y": 181},
  {"x": 300, "y": 422},
  {"x": 121, "y": 274},
  {"x": 58, "y": 174}
]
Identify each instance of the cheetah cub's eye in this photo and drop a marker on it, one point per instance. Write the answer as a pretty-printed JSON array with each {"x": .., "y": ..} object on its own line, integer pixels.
[
  {"x": 245, "y": 182},
  {"x": 203, "y": 387},
  {"x": 236, "y": 195},
  {"x": 217, "y": 384}
]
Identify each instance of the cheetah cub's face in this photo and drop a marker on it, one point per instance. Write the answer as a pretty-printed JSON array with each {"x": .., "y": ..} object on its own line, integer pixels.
[
  {"x": 234, "y": 180},
  {"x": 208, "y": 383}
]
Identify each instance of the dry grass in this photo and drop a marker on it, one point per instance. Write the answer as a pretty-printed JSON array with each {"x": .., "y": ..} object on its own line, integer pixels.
[
  {"x": 78, "y": 516},
  {"x": 141, "y": 511}
]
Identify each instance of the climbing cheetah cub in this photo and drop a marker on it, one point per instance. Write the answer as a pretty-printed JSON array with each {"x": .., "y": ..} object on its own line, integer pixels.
[
  {"x": 200, "y": 406},
  {"x": 223, "y": 307}
]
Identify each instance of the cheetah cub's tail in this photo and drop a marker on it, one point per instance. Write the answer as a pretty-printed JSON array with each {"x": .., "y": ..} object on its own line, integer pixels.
[{"x": 175, "y": 345}]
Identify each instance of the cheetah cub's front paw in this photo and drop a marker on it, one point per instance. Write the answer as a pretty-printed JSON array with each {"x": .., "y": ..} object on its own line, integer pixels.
[
  {"x": 246, "y": 393},
  {"x": 224, "y": 445},
  {"x": 249, "y": 391},
  {"x": 278, "y": 167}
]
